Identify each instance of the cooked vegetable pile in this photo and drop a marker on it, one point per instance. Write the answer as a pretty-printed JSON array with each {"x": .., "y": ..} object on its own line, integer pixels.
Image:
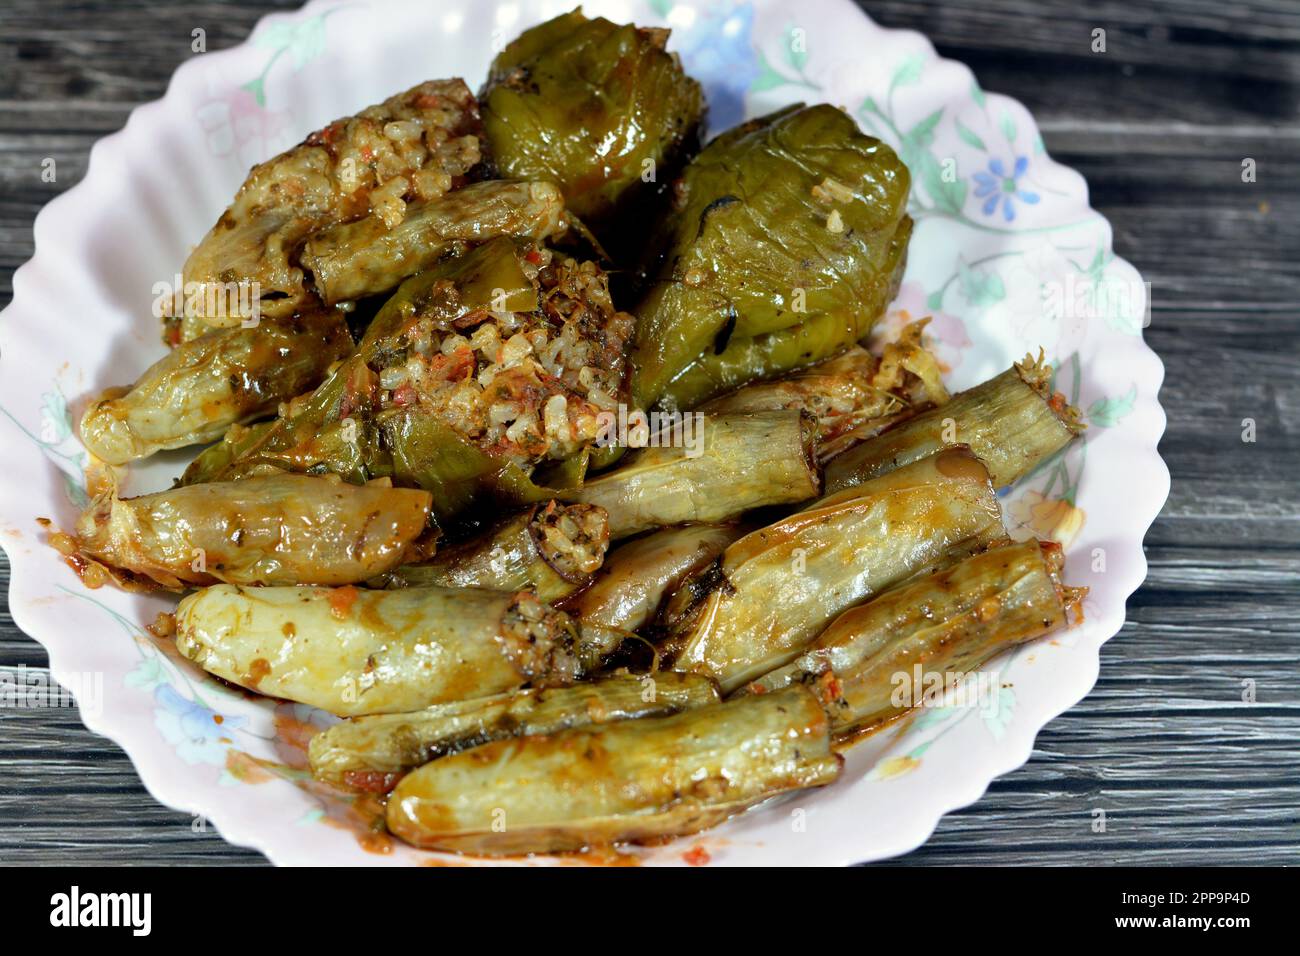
[{"x": 544, "y": 451}]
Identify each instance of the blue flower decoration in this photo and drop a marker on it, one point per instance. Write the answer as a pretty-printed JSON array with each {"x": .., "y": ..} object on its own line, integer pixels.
[
  {"x": 195, "y": 731},
  {"x": 716, "y": 50},
  {"x": 996, "y": 187}
]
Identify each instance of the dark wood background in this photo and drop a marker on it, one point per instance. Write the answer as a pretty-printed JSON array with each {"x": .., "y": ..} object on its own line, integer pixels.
[{"x": 1159, "y": 125}]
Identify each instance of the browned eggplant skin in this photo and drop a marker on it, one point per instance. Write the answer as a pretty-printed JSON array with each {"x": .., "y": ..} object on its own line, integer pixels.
[
  {"x": 629, "y": 781},
  {"x": 203, "y": 386},
  {"x": 371, "y": 753},
  {"x": 949, "y": 623},
  {"x": 838, "y": 393},
  {"x": 552, "y": 548},
  {"x": 1013, "y": 422},
  {"x": 775, "y": 589},
  {"x": 273, "y": 530},
  {"x": 628, "y": 590}
]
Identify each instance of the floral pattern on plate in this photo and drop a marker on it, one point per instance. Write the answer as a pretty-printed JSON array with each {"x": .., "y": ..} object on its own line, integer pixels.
[{"x": 1006, "y": 257}]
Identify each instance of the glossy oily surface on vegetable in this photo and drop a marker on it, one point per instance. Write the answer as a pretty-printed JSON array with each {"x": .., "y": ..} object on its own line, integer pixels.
[
  {"x": 627, "y": 781},
  {"x": 354, "y": 651},
  {"x": 1013, "y": 422},
  {"x": 471, "y": 375},
  {"x": 370, "y": 753},
  {"x": 275, "y": 530},
  {"x": 776, "y": 588},
  {"x": 552, "y": 549},
  {"x": 598, "y": 108},
  {"x": 908, "y": 646},
  {"x": 796, "y": 223},
  {"x": 201, "y": 387},
  {"x": 415, "y": 145},
  {"x": 852, "y": 393},
  {"x": 636, "y": 578},
  {"x": 371, "y": 255},
  {"x": 710, "y": 468}
]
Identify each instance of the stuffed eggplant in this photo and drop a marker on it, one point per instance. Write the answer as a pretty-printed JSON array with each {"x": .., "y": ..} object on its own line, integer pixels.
[
  {"x": 272, "y": 530},
  {"x": 372, "y": 753},
  {"x": 774, "y": 590},
  {"x": 785, "y": 243},
  {"x": 354, "y": 651},
  {"x": 633, "y": 780},
  {"x": 552, "y": 549},
  {"x": 470, "y": 377},
  {"x": 911, "y": 644},
  {"x": 720, "y": 467},
  {"x": 200, "y": 388},
  {"x": 370, "y": 256},
  {"x": 850, "y": 393},
  {"x": 215, "y": 460},
  {"x": 416, "y": 145},
  {"x": 1013, "y": 422},
  {"x": 602, "y": 110},
  {"x": 627, "y": 592}
]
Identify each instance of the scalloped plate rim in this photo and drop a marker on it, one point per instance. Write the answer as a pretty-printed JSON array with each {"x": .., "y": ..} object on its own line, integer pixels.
[{"x": 1013, "y": 752}]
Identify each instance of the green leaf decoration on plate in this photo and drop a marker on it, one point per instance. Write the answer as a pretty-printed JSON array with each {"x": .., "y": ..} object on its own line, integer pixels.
[
  {"x": 922, "y": 134},
  {"x": 949, "y": 195},
  {"x": 767, "y": 78},
  {"x": 257, "y": 88},
  {"x": 303, "y": 41},
  {"x": 275, "y": 37},
  {"x": 147, "y": 674},
  {"x": 908, "y": 72},
  {"x": 998, "y": 718},
  {"x": 930, "y": 716},
  {"x": 307, "y": 42},
  {"x": 1097, "y": 267},
  {"x": 794, "y": 39},
  {"x": 969, "y": 137},
  {"x": 1108, "y": 412},
  {"x": 56, "y": 422},
  {"x": 1008, "y": 127},
  {"x": 981, "y": 289}
]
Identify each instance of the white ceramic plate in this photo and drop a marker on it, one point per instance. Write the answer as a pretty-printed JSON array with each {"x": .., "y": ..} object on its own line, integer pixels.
[{"x": 1007, "y": 256}]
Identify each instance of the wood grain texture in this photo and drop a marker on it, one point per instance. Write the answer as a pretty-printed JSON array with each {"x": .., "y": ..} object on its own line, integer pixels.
[{"x": 1186, "y": 772}]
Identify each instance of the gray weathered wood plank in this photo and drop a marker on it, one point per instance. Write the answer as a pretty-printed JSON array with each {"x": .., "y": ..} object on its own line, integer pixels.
[{"x": 1186, "y": 772}]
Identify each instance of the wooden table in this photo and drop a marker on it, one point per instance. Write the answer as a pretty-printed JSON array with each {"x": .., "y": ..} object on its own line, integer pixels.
[{"x": 1159, "y": 125}]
